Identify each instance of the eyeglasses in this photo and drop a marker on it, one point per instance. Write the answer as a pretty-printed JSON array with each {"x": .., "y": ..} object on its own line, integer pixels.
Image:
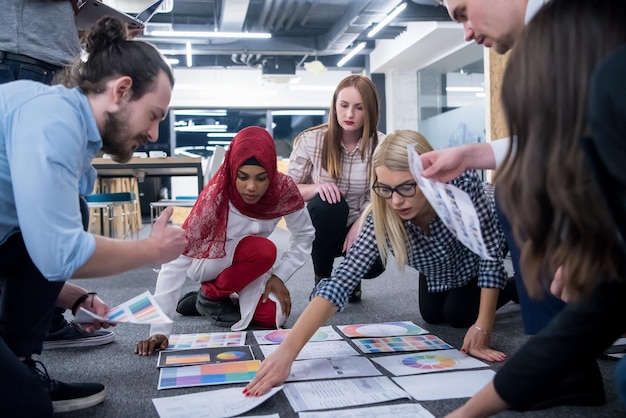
[{"x": 404, "y": 190}]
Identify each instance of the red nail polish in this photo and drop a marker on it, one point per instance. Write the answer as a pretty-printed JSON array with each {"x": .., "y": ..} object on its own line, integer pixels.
[
  {"x": 462, "y": 350},
  {"x": 256, "y": 394}
]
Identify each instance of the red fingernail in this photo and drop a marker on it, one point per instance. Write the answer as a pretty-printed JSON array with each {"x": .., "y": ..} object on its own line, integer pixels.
[
  {"x": 245, "y": 391},
  {"x": 256, "y": 394},
  {"x": 462, "y": 350}
]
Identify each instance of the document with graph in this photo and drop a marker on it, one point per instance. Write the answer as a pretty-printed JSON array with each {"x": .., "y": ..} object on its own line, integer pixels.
[{"x": 141, "y": 309}]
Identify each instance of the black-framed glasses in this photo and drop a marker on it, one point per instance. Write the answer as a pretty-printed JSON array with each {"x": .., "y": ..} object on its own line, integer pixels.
[{"x": 404, "y": 190}]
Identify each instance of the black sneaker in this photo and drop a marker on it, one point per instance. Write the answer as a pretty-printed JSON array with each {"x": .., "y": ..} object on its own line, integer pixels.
[
  {"x": 72, "y": 335},
  {"x": 223, "y": 312},
  {"x": 67, "y": 397},
  {"x": 187, "y": 305}
]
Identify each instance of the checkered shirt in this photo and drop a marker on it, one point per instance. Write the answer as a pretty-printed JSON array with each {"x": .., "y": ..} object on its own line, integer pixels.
[
  {"x": 444, "y": 260},
  {"x": 305, "y": 167}
]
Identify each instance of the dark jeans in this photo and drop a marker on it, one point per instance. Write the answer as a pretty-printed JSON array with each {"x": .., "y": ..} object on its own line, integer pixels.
[
  {"x": 330, "y": 222},
  {"x": 536, "y": 314},
  {"x": 27, "y": 301},
  {"x": 11, "y": 70},
  {"x": 456, "y": 307}
]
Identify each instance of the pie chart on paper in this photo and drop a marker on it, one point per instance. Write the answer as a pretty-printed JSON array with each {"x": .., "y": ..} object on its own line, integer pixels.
[{"x": 386, "y": 329}]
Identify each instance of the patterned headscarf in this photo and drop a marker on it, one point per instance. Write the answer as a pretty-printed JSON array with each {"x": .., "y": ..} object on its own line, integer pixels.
[{"x": 206, "y": 224}]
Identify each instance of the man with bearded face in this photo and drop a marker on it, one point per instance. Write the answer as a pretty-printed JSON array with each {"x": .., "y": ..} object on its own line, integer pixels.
[{"x": 48, "y": 138}]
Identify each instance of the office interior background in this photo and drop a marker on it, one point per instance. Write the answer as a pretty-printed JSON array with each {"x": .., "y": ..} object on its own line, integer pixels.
[{"x": 276, "y": 63}]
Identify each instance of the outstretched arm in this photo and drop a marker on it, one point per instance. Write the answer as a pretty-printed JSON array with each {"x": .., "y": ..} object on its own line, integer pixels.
[
  {"x": 448, "y": 163},
  {"x": 276, "y": 367}
]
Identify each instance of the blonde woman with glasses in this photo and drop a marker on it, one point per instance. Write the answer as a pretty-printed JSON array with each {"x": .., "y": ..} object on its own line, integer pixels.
[{"x": 456, "y": 286}]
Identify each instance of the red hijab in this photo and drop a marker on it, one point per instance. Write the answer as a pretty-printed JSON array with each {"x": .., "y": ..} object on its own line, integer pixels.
[{"x": 207, "y": 222}]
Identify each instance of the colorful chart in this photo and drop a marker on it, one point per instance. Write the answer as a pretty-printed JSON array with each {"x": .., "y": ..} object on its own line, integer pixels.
[
  {"x": 404, "y": 343},
  {"x": 325, "y": 333},
  {"x": 231, "y": 355},
  {"x": 214, "y": 339},
  {"x": 185, "y": 359},
  {"x": 429, "y": 362},
  {"x": 385, "y": 329},
  {"x": 195, "y": 356},
  {"x": 208, "y": 374}
]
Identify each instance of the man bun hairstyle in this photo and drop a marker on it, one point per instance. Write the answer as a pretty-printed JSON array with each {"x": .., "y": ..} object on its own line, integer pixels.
[{"x": 111, "y": 54}]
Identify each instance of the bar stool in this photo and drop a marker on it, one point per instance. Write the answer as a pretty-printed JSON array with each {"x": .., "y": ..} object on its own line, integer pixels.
[{"x": 112, "y": 205}]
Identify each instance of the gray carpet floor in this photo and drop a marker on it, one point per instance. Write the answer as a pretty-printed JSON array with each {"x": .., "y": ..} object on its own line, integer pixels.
[{"x": 132, "y": 380}]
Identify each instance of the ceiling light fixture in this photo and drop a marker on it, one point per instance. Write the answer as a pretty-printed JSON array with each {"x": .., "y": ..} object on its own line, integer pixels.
[
  {"x": 172, "y": 61},
  {"x": 207, "y": 34},
  {"x": 395, "y": 12},
  {"x": 189, "y": 55},
  {"x": 351, "y": 54}
]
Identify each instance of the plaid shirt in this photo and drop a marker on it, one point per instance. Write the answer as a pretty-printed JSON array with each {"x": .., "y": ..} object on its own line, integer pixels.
[
  {"x": 446, "y": 263},
  {"x": 305, "y": 167}
]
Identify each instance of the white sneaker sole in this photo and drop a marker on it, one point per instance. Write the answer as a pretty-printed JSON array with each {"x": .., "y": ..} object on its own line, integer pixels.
[
  {"x": 80, "y": 342},
  {"x": 78, "y": 404}
]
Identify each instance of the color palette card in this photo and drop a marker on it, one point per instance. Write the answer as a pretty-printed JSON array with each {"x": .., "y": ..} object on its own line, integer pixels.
[
  {"x": 208, "y": 374},
  {"x": 324, "y": 349},
  {"x": 141, "y": 309},
  {"x": 428, "y": 362},
  {"x": 404, "y": 343},
  {"x": 384, "y": 329},
  {"x": 213, "y": 339},
  {"x": 277, "y": 336},
  {"x": 212, "y": 355}
]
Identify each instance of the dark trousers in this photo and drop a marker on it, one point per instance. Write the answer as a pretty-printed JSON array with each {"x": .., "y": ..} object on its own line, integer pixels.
[
  {"x": 11, "y": 70},
  {"x": 27, "y": 301},
  {"x": 535, "y": 313},
  {"x": 457, "y": 307},
  {"x": 330, "y": 222}
]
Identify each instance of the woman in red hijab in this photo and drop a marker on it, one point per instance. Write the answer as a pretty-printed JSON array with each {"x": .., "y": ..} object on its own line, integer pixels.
[{"x": 229, "y": 253}]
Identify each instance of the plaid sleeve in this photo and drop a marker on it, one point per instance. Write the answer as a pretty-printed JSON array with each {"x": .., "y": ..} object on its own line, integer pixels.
[
  {"x": 355, "y": 265},
  {"x": 300, "y": 162},
  {"x": 491, "y": 273}
]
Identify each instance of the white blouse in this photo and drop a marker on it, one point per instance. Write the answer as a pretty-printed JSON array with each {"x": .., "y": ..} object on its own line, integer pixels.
[{"x": 172, "y": 276}]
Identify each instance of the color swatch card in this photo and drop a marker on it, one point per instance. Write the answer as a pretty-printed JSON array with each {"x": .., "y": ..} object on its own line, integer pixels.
[
  {"x": 277, "y": 336},
  {"x": 332, "y": 368},
  {"x": 453, "y": 385},
  {"x": 212, "y": 355},
  {"x": 428, "y": 362},
  {"x": 230, "y": 402},
  {"x": 325, "y": 349},
  {"x": 208, "y": 374},
  {"x": 405, "y": 410},
  {"x": 385, "y": 329},
  {"x": 213, "y": 339},
  {"x": 141, "y": 309},
  {"x": 339, "y": 393},
  {"x": 404, "y": 343}
]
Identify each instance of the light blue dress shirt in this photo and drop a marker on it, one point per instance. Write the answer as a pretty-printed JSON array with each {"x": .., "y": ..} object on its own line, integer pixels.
[{"x": 48, "y": 137}]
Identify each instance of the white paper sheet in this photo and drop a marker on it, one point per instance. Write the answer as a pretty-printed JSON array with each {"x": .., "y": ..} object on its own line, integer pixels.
[
  {"x": 331, "y": 368},
  {"x": 428, "y": 362},
  {"x": 211, "y": 404},
  {"x": 277, "y": 336},
  {"x": 450, "y": 385},
  {"x": 141, "y": 309},
  {"x": 405, "y": 410},
  {"x": 205, "y": 340},
  {"x": 325, "y": 349},
  {"x": 329, "y": 394},
  {"x": 453, "y": 206},
  {"x": 383, "y": 329}
]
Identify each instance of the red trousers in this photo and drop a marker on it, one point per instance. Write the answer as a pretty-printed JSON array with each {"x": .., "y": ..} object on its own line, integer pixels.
[{"x": 253, "y": 257}]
